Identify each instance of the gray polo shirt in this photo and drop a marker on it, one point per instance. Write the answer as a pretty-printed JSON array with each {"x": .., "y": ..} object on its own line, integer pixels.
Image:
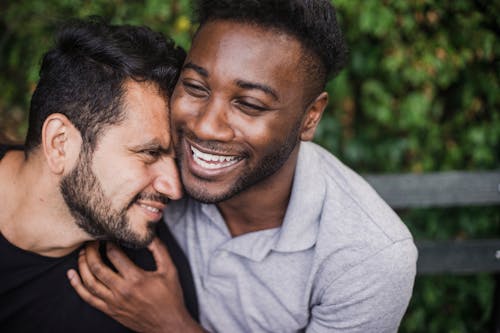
[{"x": 341, "y": 262}]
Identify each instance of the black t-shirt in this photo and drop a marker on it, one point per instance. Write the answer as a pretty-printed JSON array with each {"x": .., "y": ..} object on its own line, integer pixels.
[
  {"x": 36, "y": 296},
  {"x": 5, "y": 148}
]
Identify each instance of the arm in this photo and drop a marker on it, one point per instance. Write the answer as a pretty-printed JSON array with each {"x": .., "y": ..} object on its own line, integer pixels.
[
  {"x": 144, "y": 301},
  {"x": 371, "y": 296}
]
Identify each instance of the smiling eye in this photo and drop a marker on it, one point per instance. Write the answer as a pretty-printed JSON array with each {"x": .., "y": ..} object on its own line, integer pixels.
[
  {"x": 151, "y": 154},
  {"x": 194, "y": 89},
  {"x": 250, "y": 108}
]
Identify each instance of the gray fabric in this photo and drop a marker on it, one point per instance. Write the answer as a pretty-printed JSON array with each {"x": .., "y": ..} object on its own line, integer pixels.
[{"x": 341, "y": 262}]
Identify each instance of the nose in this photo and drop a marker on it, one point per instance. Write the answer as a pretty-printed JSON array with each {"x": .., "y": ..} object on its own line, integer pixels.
[
  {"x": 212, "y": 122},
  {"x": 166, "y": 178}
]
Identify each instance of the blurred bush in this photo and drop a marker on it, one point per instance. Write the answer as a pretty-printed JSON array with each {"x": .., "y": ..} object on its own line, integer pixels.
[
  {"x": 423, "y": 83},
  {"x": 420, "y": 93},
  {"x": 26, "y": 32}
]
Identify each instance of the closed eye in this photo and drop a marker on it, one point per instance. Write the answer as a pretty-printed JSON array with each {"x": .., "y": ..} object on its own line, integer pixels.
[
  {"x": 151, "y": 155},
  {"x": 194, "y": 89},
  {"x": 153, "y": 152},
  {"x": 250, "y": 107}
]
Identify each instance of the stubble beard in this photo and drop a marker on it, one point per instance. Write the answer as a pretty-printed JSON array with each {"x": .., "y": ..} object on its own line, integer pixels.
[
  {"x": 268, "y": 165},
  {"x": 92, "y": 210}
]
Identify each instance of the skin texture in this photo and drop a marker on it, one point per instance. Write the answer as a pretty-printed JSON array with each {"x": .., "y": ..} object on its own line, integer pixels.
[
  {"x": 240, "y": 96},
  {"x": 131, "y": 167},
  {"x": 122, "y": 167},
  {"x": 134, "y": 164},
  {"x": 221, "y": 107}
]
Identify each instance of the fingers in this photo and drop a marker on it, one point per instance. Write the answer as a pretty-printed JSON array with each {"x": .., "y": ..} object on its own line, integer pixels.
[
  {"x": 90, "y": 281},
  {"x": 161, "y": 256},
  {"x": 80, "y": 289},
  {"x": 119, "y": 259},
  {"x": 95, "y": 269}
]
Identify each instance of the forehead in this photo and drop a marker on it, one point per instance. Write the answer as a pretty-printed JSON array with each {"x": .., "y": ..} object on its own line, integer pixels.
[
  {"x": 246, "y": 50},
  {"x": 145, "y": 111}
]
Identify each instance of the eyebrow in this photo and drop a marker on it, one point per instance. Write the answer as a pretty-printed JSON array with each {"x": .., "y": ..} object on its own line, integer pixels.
[
  {"x": 240, "y": 83},
  {"x": 258, "y": 86},
  {"x": 152, "y": 145},
  {"x": 198, "y": 69}
]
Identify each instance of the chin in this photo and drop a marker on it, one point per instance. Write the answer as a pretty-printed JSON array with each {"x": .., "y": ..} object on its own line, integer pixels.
[
  {"x": 137, "y": 239},
  {"x": 207, "y": 192},
  {"x": 135, "y": 243}
]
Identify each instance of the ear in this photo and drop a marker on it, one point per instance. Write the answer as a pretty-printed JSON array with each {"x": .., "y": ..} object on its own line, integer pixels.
[
  {"x": 313, "y": 116},
  {"x": 61, "y": 143}
]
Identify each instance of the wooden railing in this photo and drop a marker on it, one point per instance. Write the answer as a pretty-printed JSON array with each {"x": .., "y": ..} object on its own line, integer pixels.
[{"x": 449, "y": 189}]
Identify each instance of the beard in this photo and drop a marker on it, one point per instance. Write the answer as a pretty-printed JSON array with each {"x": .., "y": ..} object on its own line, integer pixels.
[
  {"x": 265, "y": 167},
  {"x": 93, "y": 211}
]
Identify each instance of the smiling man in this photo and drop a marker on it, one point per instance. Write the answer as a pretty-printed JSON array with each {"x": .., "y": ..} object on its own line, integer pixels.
[
  {"x": 281, "y": 236},
  {"x": 98, "y": 163}
]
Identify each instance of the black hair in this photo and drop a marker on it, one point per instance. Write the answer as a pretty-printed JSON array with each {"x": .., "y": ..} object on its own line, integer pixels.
[
  {"x": 82, "y": 77},
  {"x": 312, "y": 22}
]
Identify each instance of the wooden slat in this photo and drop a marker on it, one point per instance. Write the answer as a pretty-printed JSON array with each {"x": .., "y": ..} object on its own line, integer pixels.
[
  {"x": 458, "y": 257},
  {"x": 438, "y": 189}
]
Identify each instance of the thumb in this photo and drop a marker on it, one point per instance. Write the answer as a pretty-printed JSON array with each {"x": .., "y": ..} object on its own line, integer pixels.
[{"x": 161, "y": 256}]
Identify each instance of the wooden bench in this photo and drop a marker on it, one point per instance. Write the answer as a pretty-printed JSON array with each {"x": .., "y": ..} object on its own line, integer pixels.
[{"x": 449, "y": 189}]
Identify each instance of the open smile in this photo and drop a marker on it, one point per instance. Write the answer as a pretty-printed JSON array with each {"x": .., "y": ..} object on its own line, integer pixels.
[
  {"x": 211, "y": 164},
  {"x": 149, "y": 208},
  {"x": 213, "y": 161},
  {"x": 153, "y": 210}
]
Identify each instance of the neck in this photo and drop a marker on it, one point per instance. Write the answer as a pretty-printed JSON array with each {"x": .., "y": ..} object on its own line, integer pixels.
[
  {"x": 36, "y": 218},
  {"x": 263, "y": 205}
]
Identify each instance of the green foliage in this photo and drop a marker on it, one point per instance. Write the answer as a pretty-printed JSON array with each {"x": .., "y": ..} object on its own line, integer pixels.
[
  {"x": 451, "y": 303},
  {"x": 422, "y": 82},
  {"x": 26, "y": 32},
  {"x": 420, "y": 93}
]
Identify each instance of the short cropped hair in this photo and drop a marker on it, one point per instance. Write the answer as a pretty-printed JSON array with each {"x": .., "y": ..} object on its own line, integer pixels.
[
  {"x": 83, "y": 76},
  {"x": 312, "y": 22}
]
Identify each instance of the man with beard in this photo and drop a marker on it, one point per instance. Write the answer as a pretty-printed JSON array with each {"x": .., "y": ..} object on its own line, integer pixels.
[
  {"x": 280, "y": 235},
  {"x": 97, "y": 163}
]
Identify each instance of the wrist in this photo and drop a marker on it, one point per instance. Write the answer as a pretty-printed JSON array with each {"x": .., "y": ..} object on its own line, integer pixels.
[{"x": 184, "y": 324}]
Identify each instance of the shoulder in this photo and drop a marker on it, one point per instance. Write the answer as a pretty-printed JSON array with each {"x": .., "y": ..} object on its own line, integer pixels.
[
  {"x": 396, "y": 260},
  {"x": 355, "y": 225},
  {"x": 368, "y": 296},
  {"x": 351, "y": 207}
]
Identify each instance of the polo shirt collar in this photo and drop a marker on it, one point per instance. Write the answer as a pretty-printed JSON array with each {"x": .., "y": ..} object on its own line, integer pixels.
[
  {"x": 212, "y": 212},
  {"x": 300, "y": 226},
  {"x": 301, "y": 223}
]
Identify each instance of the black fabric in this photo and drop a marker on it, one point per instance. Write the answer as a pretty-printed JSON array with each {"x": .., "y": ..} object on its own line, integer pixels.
[
  {"x": 36, "y": 296},
  {"x": 5, "y": 148}
]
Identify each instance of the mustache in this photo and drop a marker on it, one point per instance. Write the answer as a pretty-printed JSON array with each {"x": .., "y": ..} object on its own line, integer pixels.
[
  {"x": 213, "y": 145},
  {"x": 149, "y": 197}
]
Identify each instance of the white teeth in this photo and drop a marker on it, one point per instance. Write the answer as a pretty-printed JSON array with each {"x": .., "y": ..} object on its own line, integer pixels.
[
  {"x": 203, "y": 159},
  {"x": 151, "y": 209}
]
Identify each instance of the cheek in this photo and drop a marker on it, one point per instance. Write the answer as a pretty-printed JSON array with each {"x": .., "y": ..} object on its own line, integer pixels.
[
  {"x": 122, "y": 180},
  {"x": 264, "y": 132},
  {"x": 184, "y": 107}
]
